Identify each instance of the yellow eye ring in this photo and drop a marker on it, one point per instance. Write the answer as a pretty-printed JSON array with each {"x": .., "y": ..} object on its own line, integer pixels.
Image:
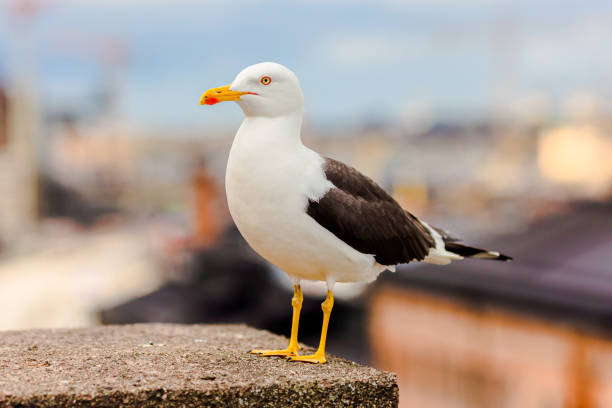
[{"x": 266, "y": 80}]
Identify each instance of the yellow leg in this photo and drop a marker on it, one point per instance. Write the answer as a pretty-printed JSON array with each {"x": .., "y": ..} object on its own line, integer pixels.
[
  {"x": 319, "y": 356},
  {"x": 293, "y": 347}
]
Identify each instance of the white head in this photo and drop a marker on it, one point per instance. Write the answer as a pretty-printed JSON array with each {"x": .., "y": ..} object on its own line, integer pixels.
[{"x": 265, "y": 89}]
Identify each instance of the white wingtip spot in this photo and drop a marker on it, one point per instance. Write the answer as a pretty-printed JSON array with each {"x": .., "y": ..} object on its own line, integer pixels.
[{"x": 486, "y": 255}]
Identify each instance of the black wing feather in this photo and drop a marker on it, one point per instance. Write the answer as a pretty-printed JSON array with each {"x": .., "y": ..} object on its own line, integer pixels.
[{"x": 368, "y": 219}]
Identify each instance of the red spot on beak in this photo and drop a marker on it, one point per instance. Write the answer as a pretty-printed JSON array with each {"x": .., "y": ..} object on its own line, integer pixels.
[{"x": 210, "y": 101}]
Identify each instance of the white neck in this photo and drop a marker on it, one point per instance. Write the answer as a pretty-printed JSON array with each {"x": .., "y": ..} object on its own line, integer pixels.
[{"x": 278, "y": 133}]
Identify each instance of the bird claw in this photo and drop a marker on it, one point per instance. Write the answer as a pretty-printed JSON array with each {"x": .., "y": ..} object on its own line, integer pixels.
[
  {"x": 314, "y": 359},
  {"x": 275, "y": 353}
]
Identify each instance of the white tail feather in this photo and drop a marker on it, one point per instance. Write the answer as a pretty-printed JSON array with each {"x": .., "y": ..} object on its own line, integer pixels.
[{"x": 438, "y": 255}]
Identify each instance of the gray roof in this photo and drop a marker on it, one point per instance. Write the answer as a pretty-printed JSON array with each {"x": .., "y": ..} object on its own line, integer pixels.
[{"x": 562, "y": 269}]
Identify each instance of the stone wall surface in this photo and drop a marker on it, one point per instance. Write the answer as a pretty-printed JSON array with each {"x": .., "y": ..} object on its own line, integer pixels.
[{"x": 168, "y": 365}]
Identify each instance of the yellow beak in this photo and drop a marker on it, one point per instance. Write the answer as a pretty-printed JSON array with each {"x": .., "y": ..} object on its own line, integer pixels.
[{"x": 221, "y": 94}]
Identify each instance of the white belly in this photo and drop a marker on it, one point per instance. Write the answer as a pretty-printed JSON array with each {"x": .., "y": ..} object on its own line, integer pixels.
[{"x": 266, "y": 198}]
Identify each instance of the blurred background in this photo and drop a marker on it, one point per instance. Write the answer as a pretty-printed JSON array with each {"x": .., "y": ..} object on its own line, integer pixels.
[{"x": 492, "y": 119}]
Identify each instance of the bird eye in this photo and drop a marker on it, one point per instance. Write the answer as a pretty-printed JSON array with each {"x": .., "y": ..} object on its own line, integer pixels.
[{"x": 265, "y": 80}]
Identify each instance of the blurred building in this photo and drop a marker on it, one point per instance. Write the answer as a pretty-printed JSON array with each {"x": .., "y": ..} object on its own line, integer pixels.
[
  {"x": 18, "y": 170},
  {"x": 532, "y": 333},
  {"x": 3, "y": 117}
]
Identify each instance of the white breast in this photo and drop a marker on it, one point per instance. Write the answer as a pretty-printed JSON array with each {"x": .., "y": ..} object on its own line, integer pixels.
[{"x": 270, "y": 177}]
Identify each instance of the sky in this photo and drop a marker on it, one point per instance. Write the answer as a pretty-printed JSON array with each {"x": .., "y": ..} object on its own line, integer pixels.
[{"x": 358, "y": 61}]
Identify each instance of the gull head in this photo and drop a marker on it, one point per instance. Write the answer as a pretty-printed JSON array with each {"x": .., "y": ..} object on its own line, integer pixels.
[{"x": 266, "y": 89}]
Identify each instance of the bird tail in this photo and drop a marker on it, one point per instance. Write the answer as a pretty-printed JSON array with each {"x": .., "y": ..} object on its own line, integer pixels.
[
  {"x": 476, "y": 253},
  {"x": 447, "y": 248}
]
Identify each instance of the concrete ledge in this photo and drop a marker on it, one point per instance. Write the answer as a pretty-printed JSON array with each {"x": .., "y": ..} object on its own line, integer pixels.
[{"x": 164, "y": 365}]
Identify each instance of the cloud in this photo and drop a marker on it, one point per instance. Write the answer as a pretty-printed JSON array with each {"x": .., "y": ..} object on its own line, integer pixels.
[
  {"x": 408, "y": 3},
  {"x": 566, "y": 44},
  {"x": 137, "y": 2},
  {"x": 369, "y": 49}
]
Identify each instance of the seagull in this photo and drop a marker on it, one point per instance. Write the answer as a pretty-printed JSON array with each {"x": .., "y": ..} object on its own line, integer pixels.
[{"x": 314, "y": 217}]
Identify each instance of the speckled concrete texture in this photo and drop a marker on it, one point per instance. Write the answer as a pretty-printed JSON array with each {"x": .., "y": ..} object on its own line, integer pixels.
[{"x": 167, "y": 365}]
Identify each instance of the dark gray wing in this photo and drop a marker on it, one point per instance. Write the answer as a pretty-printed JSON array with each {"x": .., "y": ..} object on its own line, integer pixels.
[{"x": 368, "y": 219}]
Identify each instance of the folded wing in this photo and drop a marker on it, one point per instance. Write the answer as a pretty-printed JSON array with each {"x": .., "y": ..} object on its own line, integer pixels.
[{"x": 362, "y": 214}]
